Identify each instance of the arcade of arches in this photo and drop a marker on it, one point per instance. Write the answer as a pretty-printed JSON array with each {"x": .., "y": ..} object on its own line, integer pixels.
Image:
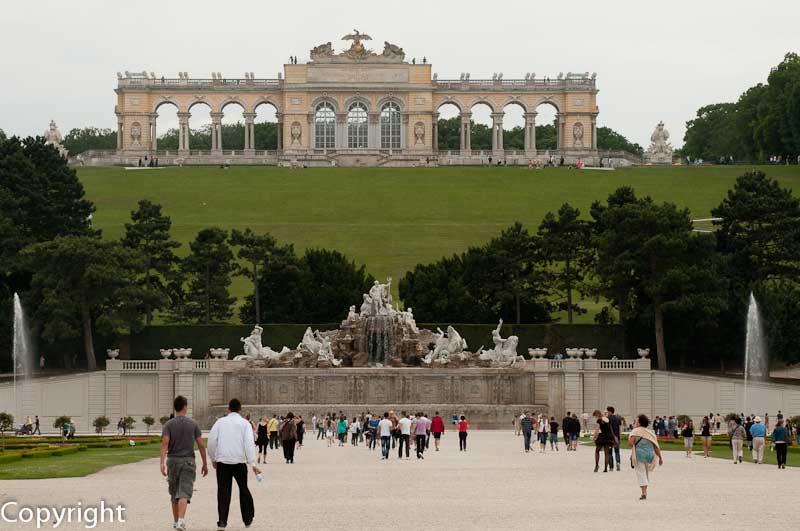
[{"x": 357, "y": 107}]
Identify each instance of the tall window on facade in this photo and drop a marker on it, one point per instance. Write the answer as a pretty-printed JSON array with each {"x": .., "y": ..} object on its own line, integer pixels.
[
  {"x": 390, "y": 126},
  {"x": 325, "y": 127},
  {"x": 357, "y": 126}
]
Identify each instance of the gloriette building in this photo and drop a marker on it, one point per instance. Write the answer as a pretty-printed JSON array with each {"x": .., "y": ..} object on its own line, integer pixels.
[{"x": 356, "y": 107}]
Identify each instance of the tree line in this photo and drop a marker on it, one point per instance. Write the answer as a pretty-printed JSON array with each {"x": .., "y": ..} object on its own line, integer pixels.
[
  {"x": 763, "y": 123},
  {"x": 680, "y": 291}
]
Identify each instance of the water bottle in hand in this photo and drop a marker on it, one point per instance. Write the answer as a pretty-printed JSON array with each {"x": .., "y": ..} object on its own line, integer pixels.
[{"x": 259, "y": 478}]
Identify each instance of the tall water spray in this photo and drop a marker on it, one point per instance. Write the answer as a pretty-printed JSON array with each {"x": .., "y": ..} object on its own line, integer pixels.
[
  {"x": 756, "y": 362},
  {"x": 21, "y": 353}
]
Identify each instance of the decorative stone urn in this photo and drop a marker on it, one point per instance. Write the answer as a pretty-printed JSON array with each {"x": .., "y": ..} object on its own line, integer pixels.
[
  {"x": 219, "y": 353},
  {"x": 537, "y": 353},
  {"x": 166, "y": 353},
  {"x": 643, "y": 352},
  {"x": 182, "y": 353},
  {"x": 590, "y": 352},
  {"x": 113, "y": 353},
  {"x": 573, "y": 353}
]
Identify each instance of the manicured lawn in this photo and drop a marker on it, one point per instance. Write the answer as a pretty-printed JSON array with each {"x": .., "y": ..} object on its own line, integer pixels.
[
  {"x": 388, "y": 218},
  {"x": 78, "y": 464}
]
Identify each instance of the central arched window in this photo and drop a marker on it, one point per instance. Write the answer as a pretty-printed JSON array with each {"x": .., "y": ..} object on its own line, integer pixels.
[
  {"x": 357, "y": 126},
  {"x": 390, "y": 126},
  {"x": 325, "y": 127}
]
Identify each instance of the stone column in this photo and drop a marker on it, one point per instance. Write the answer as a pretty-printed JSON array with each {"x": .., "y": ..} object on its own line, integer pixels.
[
  {"x": 562, "y": 129},
  {"x": 183, "y": 131},
  {"x": 530, "y": 133},
  {"x": 404, "y": 120},
  {"x": 374, "y": 130},
  {"x": 594, "y": 131},
  {"x": 120, "y": 131},
  {"x": 153, "y": 139},
  {"x": 249, "y": 131},
  {"x": 466, "y": 118},
  {"x": 279, "y": 144},
  {"x": 435, "y": 132},
  {"x": 216, "y": 131},
  {"x": 497, "y": 132},
  {"x": 341, "y": 131}
]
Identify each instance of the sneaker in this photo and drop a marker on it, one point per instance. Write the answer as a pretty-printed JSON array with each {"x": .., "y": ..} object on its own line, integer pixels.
[
  {"x": 180, "y": 525},
  {"x": 221, "y": 527},
  {"x": 617, "y": 467}
]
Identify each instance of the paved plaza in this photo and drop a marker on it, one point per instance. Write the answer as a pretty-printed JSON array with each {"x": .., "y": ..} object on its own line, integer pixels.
[{"x": 494, "y": 485}]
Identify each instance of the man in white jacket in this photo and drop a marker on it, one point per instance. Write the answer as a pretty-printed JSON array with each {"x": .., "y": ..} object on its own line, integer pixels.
[{"x": 231, "y": 448}]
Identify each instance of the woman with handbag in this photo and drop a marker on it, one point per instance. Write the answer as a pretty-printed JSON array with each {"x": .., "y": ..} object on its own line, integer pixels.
[
  {"x": 644, "y": 450},
  {"x": 288, "y": 435}
]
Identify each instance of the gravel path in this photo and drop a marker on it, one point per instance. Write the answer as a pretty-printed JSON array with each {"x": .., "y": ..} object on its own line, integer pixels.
[{"x": 494, "y": 485}]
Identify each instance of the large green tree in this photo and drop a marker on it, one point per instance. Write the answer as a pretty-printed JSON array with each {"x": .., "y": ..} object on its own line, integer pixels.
[
  {"x": 81, "y": 283},
  {"x": 608, "y": 139},
  {"x": 149, "y": 236},
  {"x": 261, "y": 252},
  {"x": 650, "y": 251},
  {"x": 207, "y": 271},
  {"x": 566, "y": 242}
]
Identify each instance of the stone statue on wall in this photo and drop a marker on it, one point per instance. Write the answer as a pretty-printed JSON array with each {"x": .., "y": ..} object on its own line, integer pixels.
[
  {"x": 254, "y": 350},
  {"x": 296, "y": 132},
  {"x": 392, "y": 51},
  {"x": 577, "y": 135},
  {"x": 505, "y": 349},
  {"x": 660, "y": 150},
  {"x": 326, "y": 353},
  {"x": 379, "y": 300},
  {"x": 357, "y": 50},
  {"x": 322, "y": 51},
  {"x": 419, "y": 133},
  {"x": 136, "y": 134},
  {"x": 52, "y": 137},
  {"x": 446, "y": 346}
]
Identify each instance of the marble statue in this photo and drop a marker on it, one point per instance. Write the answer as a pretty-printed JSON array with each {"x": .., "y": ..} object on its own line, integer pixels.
[
  {"x": 505, "y": 349},
  {"x": 393, "y": 51},
  {"x": 446, "y": 346},
  {"x": 351, "y": 314},
  {"x": 660, "y": 150},
  {"x": 419, "y": 133},
  {"x": 296, "y": 132},
  {"x": 322, "y": 51},
  {"x": 379, "y": 300},
  {"x": 52, "y": 137},
  {"x": 310, "y": 341},
  {"x": 326, "y": 353},
  {"x": 254, "y": 350}
]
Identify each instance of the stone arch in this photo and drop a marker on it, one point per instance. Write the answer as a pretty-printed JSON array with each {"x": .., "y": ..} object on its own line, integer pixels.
[
  {"x": 481, "y": 100},
  {"x": 390, "y": 99},
  {"x": 450, "y": 101},
  {"x": 199, "y": 101},
  {"x": 265, "y": 100},
  {"x": 547, "y": 117},
  {"x": 166, "y": 100},
  {"x": 515, "y": 101},
  {"x": 357, "y": 98},
  {"x": 547, "y": 100},
  {"x": 234, "y": 100},
  {"x": 324, "y": 99},
  {"x": 262, "y": 138}
]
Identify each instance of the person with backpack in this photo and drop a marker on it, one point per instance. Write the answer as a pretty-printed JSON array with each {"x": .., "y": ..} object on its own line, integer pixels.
[
  {"x": 288, "y": 435},
  {"x": 644, "y": 451}
]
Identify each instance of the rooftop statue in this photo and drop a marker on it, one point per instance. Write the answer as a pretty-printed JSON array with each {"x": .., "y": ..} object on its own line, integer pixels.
[{"x": 357, "y": 52}]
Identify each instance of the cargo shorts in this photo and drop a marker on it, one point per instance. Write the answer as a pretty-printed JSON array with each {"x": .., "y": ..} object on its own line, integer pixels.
[{"x": 181, "y": 473}]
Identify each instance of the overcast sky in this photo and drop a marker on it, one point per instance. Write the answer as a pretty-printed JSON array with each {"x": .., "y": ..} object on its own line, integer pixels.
[{"x": 654, "y": 60}]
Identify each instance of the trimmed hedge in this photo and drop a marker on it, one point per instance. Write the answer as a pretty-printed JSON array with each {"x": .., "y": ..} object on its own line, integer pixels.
[{"x": 607, "y": 339}]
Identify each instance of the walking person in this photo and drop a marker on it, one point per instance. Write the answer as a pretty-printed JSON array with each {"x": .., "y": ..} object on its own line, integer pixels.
[
  {"x": 644, "y": 450},
  {"x": 288, "y": 435},
  {"x": 542, "y": 426},
  {"x": 462, "y": 434},
  {"x": 616, "y": 428},
  {"x": 262, "y": 439},
  {"x": 705, "y": 435},
  {"x": 385, "y": 433},
  {"x": 178, "y": 438},
  {"x": 341, "y": 429},
  {"x": 526, "y": 426},
  {"x": 231, "y": 450},
  {"x": 421, "y": 433},
  {"x": 553, "y": 434},
  {"x": 688, "y": 437},
  {"x": 781, "y": 436},
  {"x": 603, "y": 439},
  {"x": 758, "y": 432},
  {"x": 36, "y": 426},
  {"x": 301, "y": 430},
  {"x": 372, "y": 431},
  {"x": 354, "y": 427},
  {"x": 405, "y": 435},
  {"x": 272, "y": 430},
  {"x": 738, "y": 436},
  {"x": 437, "y": 429}
]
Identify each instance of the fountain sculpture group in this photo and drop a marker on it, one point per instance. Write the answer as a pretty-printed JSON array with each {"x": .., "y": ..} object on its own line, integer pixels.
[{"x": 380, "y": 335}]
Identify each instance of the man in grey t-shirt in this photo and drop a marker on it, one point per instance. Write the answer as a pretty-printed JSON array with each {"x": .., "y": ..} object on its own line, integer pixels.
[{"x": 177, "y": 459}]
